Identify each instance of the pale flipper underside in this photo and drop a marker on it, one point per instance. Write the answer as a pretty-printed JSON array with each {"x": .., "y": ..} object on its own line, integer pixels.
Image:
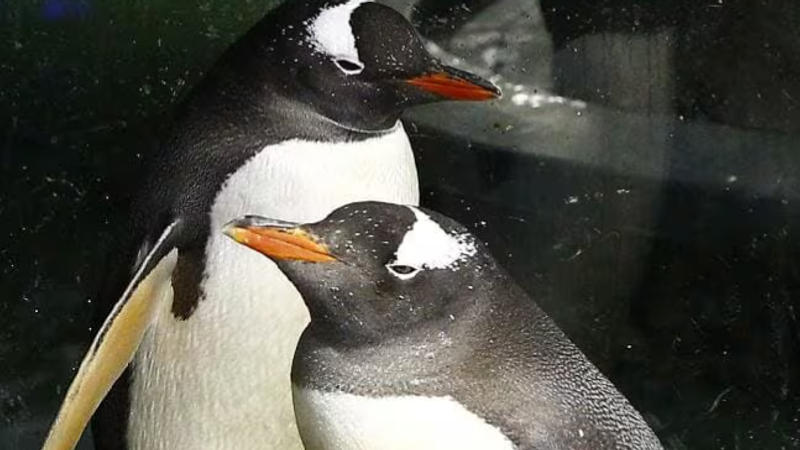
[{"x": 115, "y": 344}]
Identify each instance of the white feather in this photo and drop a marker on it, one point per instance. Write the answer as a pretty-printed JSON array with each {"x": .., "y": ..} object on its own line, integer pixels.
[
  {"x": 220, "y": 380},
  {"x": 340, "y": 421},
  {"x": 427, "y": 246},
  {"x": 332, "y": 34}
]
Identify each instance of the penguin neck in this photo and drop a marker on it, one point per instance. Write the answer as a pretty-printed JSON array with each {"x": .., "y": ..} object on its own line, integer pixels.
[
  {"x": 421, "y": 350},
  {"x": 314, "y": 124},
  {"x": 370, "y": 116},
  {"x": 474, "y": 316},
  {"x": 385, "y": 128},
  {"x": 262, "y": 106},
  {"x": 374, "y": 117}
]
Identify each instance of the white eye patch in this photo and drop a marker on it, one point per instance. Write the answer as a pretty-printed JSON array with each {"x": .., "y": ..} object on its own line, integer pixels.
[
  {"x": 331, "y": 34},
  {"x": 427, "y": 246}
]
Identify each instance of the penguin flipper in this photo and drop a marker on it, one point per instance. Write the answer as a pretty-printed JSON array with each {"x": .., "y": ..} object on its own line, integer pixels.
[{"x": 115, "y": 344}]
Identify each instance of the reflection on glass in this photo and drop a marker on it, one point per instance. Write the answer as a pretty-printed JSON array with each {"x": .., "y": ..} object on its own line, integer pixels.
[{"x": 638, "y": 179}]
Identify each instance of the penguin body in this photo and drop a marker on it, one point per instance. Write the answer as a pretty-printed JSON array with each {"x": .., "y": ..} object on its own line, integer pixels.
[
  {"x": 414, "y": 327},
  {"x": 298, "y": 117},
  {"x": 203, "y": 356}
]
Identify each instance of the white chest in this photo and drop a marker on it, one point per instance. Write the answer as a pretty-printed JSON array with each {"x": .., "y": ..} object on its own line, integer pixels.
[
  {"x": 339, "y": 421},
  {"x": 220, "y": 380}
]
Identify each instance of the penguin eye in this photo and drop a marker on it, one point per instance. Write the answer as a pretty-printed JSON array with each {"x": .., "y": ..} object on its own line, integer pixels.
[
  {"x": 349, "y": 67},
  {"x": 402, "y": 271}
]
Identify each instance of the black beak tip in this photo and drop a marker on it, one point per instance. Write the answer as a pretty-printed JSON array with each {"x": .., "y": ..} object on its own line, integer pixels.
[{"x": 474, "y": 79}]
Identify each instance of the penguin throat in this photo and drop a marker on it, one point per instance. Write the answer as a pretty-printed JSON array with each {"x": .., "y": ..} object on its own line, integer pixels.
[{"x": 359, "y": 130}]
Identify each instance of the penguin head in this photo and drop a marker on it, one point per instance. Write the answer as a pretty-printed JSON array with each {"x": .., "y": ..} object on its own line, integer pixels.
[
  {"x": 356, "y": 62},
  {"x": 373, "y": 270}
]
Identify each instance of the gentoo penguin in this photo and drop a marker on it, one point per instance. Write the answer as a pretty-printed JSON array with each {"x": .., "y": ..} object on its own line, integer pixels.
[
  {"x": 418, "y": 339},
  {"x": 299, "y": 117}
]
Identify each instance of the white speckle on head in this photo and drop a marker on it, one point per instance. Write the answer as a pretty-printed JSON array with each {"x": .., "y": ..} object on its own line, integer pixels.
[
  {"x": 331, "y": 34},
  {"x": 427, "y": 246}
]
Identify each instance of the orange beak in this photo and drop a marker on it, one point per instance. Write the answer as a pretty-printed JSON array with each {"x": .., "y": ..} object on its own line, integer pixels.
[
  {"x": 454, "y": 84},
  {"x": 278, "y": 240}
]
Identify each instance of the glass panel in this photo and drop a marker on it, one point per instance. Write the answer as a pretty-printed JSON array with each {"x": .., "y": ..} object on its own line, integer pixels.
[{"x": 639, "y": 179}]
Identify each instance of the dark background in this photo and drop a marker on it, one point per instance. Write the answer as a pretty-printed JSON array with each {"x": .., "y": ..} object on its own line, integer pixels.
[{"x": 658, "y": 224}]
